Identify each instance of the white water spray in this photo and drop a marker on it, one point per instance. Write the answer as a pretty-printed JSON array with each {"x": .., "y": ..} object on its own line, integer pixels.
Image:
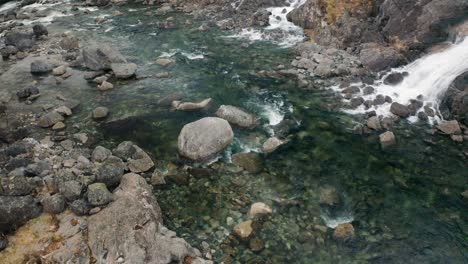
[
  {"x": 429, "y": 77},
  {"x": 280, "y": 30}
]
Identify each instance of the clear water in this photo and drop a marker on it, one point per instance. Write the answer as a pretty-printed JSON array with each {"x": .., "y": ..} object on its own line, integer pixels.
[{"x": 405, "y": 201}]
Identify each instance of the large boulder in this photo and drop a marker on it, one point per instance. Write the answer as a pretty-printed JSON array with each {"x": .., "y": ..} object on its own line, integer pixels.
[
  {"x": 399, "y": 110},
  {"x": 49, "y": 119},
  {"x": 111, "y": 171},
  {"x": 22, "y": 41},
  {"x": 237, "y": 116},
  {"x": 101, "y": 57},
  {"x": 124, "y": 70},
  {"x": 455, "y": 101},
  {"x": 203, "y": 139},
  {"x": 130, "y": 229},
  {"x": 14, "y": 211},
  {"x": 378, "y": 58}
]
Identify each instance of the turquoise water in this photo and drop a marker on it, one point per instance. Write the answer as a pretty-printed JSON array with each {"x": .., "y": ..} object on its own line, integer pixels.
[{"x": 405, "y": 201}]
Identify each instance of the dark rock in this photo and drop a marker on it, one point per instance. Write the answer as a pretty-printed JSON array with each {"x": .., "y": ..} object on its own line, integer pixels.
[
  {"x": 8, "y": 51},
  {"x": 28, "y": 91},
  {"x": 15, "y": 186},
  {"x": 98, "y": 194},
  {"x": 394, "y": 78},
  {"x": 368, "y": 90},
  {"x": 414, "y": 106},
  {"x": 40, "y": 67},
  {"x": 251, "y": 162},
  {"x": 351, "y": 90},
  {"x": 79, "y": 207},
  {"x": 15, "y": 211},
  {"x": 71, "y": 190},
  {"x": 379, "y": 99},
  {"x": 54, "y": 204},
  {"x": 355, "y": 102},
  {"x": 378, "y": 58},
  {"x": 284, "y": 128},
  {"x": 423, "y": 116},
  {"x": 111, "y": 171},
  {"x": 22, "y": 41},
  {"x": 40, "y": 30},
  {"x": 3, "y": 243},
  {"x": 125, "y": 150},
  {"x": 399, "y": 110}
]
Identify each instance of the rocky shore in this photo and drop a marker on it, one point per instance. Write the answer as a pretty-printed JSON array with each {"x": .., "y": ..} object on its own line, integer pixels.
[{"x": 87, "y": 203}]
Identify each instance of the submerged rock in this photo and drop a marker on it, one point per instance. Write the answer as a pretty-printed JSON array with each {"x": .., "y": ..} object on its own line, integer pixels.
[
  {"x": 189, "y": 106},
  {"x": 100, "y": 113},
  {"x": 329, "y": 196},
  {"x": 244, "y": 230},
  {"x": 259, "y": 209},
  {"x": 344, "y": 232},
  {"x": 387, "y": 139},
  {"x": 450, "y": 127},
  {"x": 203, "y": 139},
  {"x": 271, "y": 145},
  {"x": 237, "y": 116},
  {"x": 251, "y": 162}
]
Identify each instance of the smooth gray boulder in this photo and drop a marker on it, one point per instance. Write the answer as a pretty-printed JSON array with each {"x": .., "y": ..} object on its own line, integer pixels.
[
  {"x": 124, "y": 70},
  {"x": 237, "y": 116},
  {"x": 101, "y": 57},
  {"x": 203, "y": 139}
]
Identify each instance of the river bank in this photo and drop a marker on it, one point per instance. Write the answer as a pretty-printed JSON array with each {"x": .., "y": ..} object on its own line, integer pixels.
[{"x": 295, "y": 178}]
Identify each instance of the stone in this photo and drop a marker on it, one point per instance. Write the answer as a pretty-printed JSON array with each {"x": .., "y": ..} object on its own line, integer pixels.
[
  {"x": 125, "y": 150},
  {"x": 140, "y": 161},
  {"x": 49, "y": 119},
  {"x": 168, "y": 99},
  {"x": 189, "y": 106},
  {"x": 259, "y": 209},
  {"x": 394, "y": 78},
  {"x": 15, "y": 185},
  {"x": 164, "y": 62},
  {"x": 30, "y": 90},
  {"x": 378, "y": 58},
  {"x": 449, "y": 127},
  {"x": 387, "y": 139},
  {"x": 79, "y": 207},
  {"x": 271, "y": 145},
  {"x": 64, "y": 111},
  {"x": 423, "y": 116},
  {"x": 355, "y": 102},
  {"x": 256, "y": 245},
  {"x": 54, "y": 204},
  {"x": 98, "y": 194},
  {"x": 111, "y": 171},
  {"x": 237, "y": 116},
  {"x": 98, "y": 58},
  {"x": 158, "y": 178},
  {"x": 399, "y": 110},
  {"x": 71, "y": 190},
  {"x": 203, "y": 139},
  {"x": 351, "y": 90},
  {"x": 124, "y": 70},
  {"x": 60, "y": 70},
  {"x": 100, "y": 154},
  {"x": 130, "y": 229},
  {"x": 40, "y": 67},
  {"x": 251, "y": 162},
  {"x": 8, "y": 51},
  {"x": 374, "y": 123},
  {"x": 22, "y": 41},
  {"x": 368, "y": 90},
  {"x": 100, "y": 113},
  {"x": 344, "y": 232},
  {"x": 105, "y": 86},
  {"x": 16, "y": 210},
  {"x": 40, "y": 30},
  {"x": 244, "y": 230},
  {"x": 81, "y": 137},
  {"x": 162, "y": 75},
  {"x": 58, "y": 126},
  {"x": 69, "y": 42},
  {"x": 329, "y": 196}
]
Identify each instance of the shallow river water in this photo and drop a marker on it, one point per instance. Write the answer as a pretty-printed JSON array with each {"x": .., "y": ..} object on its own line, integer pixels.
[{"x": 404, "y": 202}]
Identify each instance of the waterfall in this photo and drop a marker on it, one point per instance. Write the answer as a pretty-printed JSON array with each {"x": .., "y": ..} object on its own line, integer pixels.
[
  {"x": 280, "y": 30},
  {"x": 428, "y": 79}
]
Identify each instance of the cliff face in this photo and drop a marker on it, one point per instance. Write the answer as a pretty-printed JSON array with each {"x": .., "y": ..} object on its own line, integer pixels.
[{"x": 408, "y": 24}]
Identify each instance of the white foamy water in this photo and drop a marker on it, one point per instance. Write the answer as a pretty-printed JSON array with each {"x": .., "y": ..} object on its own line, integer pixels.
[
  {"x": 188, "y": 55},
  {"x": 8, "y": 6},
  {"x": 429, "y": 77},
  {"x": 280, "y": 30}
]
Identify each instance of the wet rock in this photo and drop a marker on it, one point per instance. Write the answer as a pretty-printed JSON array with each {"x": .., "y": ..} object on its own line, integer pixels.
[
  {"x": 429, "y": 111},
  {"x": 259, "y": 209},
  {"x": 49, "y": 119},
  {"x": 105, "y": 86},
  {"x": 125, "y": 150},
  {"x": 284, "y": 128},
  {"x": 58, "y": 126},
  {"x": 244, "y": 230},
  {"x": 71, "y": 190},
  {"x": 69, "y": 42},
  {"x": 374, "y": 123},
  {"x": 124, "y": 70},
  {"x": 100, "y": 113},
  {"x": 256, "y": 245},
  {"x": 344, "y": 232},
  {"x": 379, "y": 99},
  {"x": 98, "y": 194},
  {"x": 329, "y": 196},
  {"x": 40, "y": 30},
  {"x": 203, "y": 139},
  {"x": 40, "y": 67},
  {"x": 140, "y": 161},
  {"x": 271, "y": 145},
  {"x": 130, "y": 229},
  {"x": 162, "y": 75},
  {"x": 54, "y": 204},
  {"x": 101, "y": 57},
  {"x": 189, "y": 106},
  {"x": 168, "y": 99},
  {"x": 97, "y": 2},
  {"x": 100, "y": 154},
  {"x": 22, "y": 41},
  {"x": 28, "y": 91},
  {"x": 16, "y": 210},
  {"x": 237, "y": 116},
  {"x": 355, "y": 102},
  {"x": 64, "y": 111},
  {"x": 111, "y": 171},
  {"x": 387, "y": 139},
  {"x": 60, "y": 70},
  {"x": 351, "y": 90},
  {"x": 423, "y": 116},
  {"x": 368, "y": 90},
  {"x": 394, "y": 78},
  {"x": 457, "y": 138},
  {"x": 157, "y": 178},
  {"x": 164, "y": 62},
  {"x": 450, "y": 127},
  {"x": 399, "y": 110},
  {"x": 251, "y": 162},
  {"x": 414, "y": 106},
  {"x": 8, "y": 51}
]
